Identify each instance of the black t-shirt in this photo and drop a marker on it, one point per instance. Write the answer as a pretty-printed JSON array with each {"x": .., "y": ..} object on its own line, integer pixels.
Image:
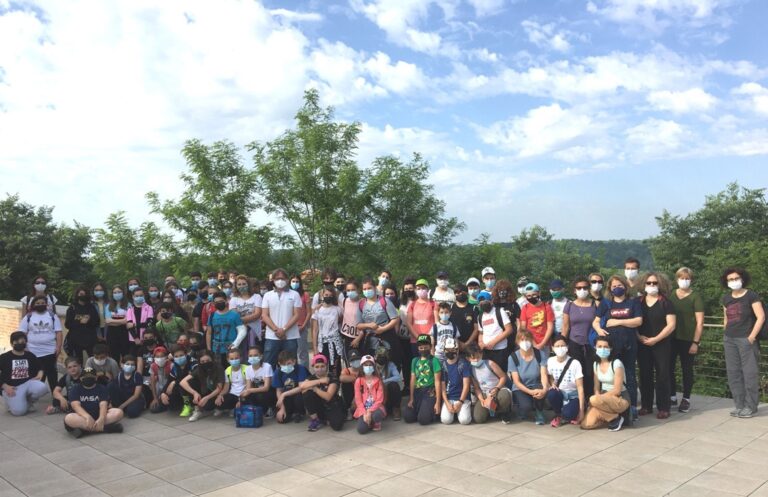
[
  {"x": 128, "y": 385},
  {"x": 740, "y": 316},
  {"x": 332, "y": 380},
  {"x": 17, "y": 369},
  {"x": 65, "y": 381},
  {"x": 197, "y": 312},
  {"x": 464, "y": 319},
  {"x": 655, "y": 316},
  {"x": 89, "y": 398}
]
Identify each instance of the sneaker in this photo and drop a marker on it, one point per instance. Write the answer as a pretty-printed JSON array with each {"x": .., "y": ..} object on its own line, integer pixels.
[
  {"x": 314, "y": 425},
  {"x": 217, "y": 413},
  {"x": 396, "y": 414},
  {"x": 376, "y": 427},
  {"x": 556, "y": 421},
  {"x": 735, "y": 412},
  {"x": 270, "y": 413},
  {"x": 616, "y": 424},
  {"x": 662, "y": 415},
  {"x": 685, "y": 405},
  {"x": 673, "y": 400},
  {"x": 506, "y": 418},
  {"x": 747, "y": 413},
  {"x": 197, "y": 414},
  {"x": 113, "y": 428},
  {"x": 539, "y": 418},
  {"x": 52, "y": 410},
  {"x": 186, "y": 411}
]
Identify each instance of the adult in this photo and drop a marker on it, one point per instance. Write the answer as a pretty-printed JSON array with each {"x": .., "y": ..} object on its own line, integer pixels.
[
  {"x": 39, "y": 289},
  {"x": 20, "y": 376},
  {"x": 566, "y": 391},
  {"x": 44, "y": 337},
  {"x": 488, "y": 274},
  {"x": 689, "y": 310},
  {"x": 632, "y": 274},
  {"x": 596, "y": 284},
  {"x": 528, "y": 371},
  {"x": 280, "y": 315},
  {"x": 611, "y": 399},
  {"x": 247, "y": 303},
  {"x": 82, "y": 322},
  {"x": 578, "y": 316},
  {"x": 743, "y": 318},
  {"x": 378, "y": 319}
]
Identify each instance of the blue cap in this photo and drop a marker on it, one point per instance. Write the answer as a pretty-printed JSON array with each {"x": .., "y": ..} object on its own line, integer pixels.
[
  {"x": 484, "y": 296},
  {"x": 531, "y": 287},
  {"x": 556, "y": 284}
]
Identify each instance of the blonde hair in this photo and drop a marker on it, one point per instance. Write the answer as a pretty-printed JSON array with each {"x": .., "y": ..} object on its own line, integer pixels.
[{"x": 684, "y": 271}]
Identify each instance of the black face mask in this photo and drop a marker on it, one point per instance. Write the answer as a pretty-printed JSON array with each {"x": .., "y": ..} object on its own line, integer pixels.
[
  {"x": 532, "y": 300},
  {"x": 220, "y": 306},
  {"x": 40, "y": 308},
  {"x": 424, "y": 353},
  {"x": 204, "y": 295},
  {"x": 461, "y": 298},
  {"x": 82, "y": 298},
  {"x": 485, "y": 306},
  {"x": 503, "y": 294},
  {"x": 381, "y": 360},
  {"x": 19, "y": 347},
  {"x": 450, "y": 355},
  {"x": 166, "y": 315},
  {"x": 328, "y": 300},
  {"x": 328, "y": 284},
  {"x": 88, "y": 381},
  {"x": 340, "y": 288},
  {"x": 408, "y": 295},
  {"x": 149, "y": 344},
  {"x": 207, "y": 366},
  {"x": 196, "y": 346}
]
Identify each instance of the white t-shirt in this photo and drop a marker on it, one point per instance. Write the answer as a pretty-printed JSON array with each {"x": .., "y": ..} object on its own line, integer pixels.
[
  {"x": 443, "y": 332},
  {"x": 236, "y": 380},
  {"x": 51, "y": 301},
  {"x": 281, "y": 305},
  {"x": 257, "y": 375},
  {"x": 490, "y": 327},
  {"x": 316, "y": 299},
  {"x": 327, "y": 321},
  {"x": 245, "y": 307},
  {"x": 41, "y": 330},
  {"x": 558, "y": 306},
  {"x": 446, "y": 295},
  {"x": 555, "y": 369}
]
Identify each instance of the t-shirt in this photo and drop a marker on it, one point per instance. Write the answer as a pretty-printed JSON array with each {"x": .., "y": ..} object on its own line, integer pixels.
[
  {"x": 536, "y": 318},
  {"x": 373, "y": 312},
  {"x": 440, "y": 333},
  {"x": 17, "y": 369},
  {"x": 490, "y": 327},
  {"x": 281, "y": 305},
  {"x": 512, "y": 310},
  {"x": 558, "y": 306},
  {"x": 110, "y": 367},
  {"x": 738, "y": 311},
  {"x": 485, "y": 377},
  {"x": 128, "y": 385},
  {"x": 256, "y": 376},
  {"x": 327, "y": 321},
  {"x": 464, "y": 319},
  {"x": 332, "y": 380},
  {"x": 423, "y": 317},
  {"x": 209, "y": 381},
  {"x": 655, "y": 316},
  {"x": 223, "y": 330},
  {"x": 580, "y": 319},
  {"x": 66, "y": 381},
  {"x": 236, "y": 377},
  {"x": 425, "y": 375},
  {"x": 169, "y": 332},
  {"x": 89, "y": 398},
  {"x": 246, "y": 307},
  {"x": 685, "y": 310},
  {"x": 289, "y": 381},
  {"x": 529, "y": 371},
  {"x": 446, "y": 295},
  {"x": 349, "y": 322},
  {"x": 627, "y": 309},
  {"x": 303, "y": 309},
  {"x": 606, "y": 379},
  {"x": 41, "y": 330},
  {"x": 555, "y": 370},
  {"x": 453, "y": 377}
]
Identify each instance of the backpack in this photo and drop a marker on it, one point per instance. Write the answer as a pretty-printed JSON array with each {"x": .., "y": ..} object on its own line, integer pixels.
[
  {"x": 434, "y": 331},
  {"x": 536, "y": 354},
  {"x": 498, "y": 318},
  {"x": 249, "y": 416},
  {"x": 228, "y": 372},
  {"x": 382, "y": 303}
]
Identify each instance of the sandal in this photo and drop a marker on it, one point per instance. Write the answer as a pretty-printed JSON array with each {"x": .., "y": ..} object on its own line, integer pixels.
[{"x": 52, "y": 410}]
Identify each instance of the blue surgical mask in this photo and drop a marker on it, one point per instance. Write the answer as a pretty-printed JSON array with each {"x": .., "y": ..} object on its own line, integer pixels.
[
  {"x": 194, "y": 284},
  {"x": 603, "y": 353},
  {"x": 235, "y": 363},
  {"x": 227, "y": 291},
  {"x": 154, "y": 294},
  {"x": 213, "y": 281},
  {"x": 138, "y": 300},
  {"x": 118, "y": 296},
  {"x": 180, "y": 361},
  {"x": 210, "y": 297},
  {"x": 473, "y": 292},
  {"x": 383, "y": 281},
  {"x": 287, "y": 368},
  {"x": 295, "y": 285},
  {"x": 369, "y": 293},
  {"x": 490, "y": 284},
  {"x": 368, "y": 370},
  {"x": 132, "y": 287},
  {"x": 129, "y": 368},
  {"x": 476, "y": 364},
  {"x": 354, "y": 364},
  {"x": 444, "y": 318},
  {"x": 99, "y": 294},
  {"x": 352, "y": 295},
  {"x": 254, "y": 361}
]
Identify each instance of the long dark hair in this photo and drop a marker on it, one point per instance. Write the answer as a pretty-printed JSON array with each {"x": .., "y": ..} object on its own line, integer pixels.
[
  {"x": 296, "y": 276},
  {"x": 81, "y": 288},
  {"x": 607, "y": 339},
  {"x": 32, "y": 292},
  {"x": 112, "y": 303}
]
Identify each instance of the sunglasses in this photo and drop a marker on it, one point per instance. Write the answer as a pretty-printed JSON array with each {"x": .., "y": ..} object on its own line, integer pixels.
[
  {"x": 595, "y": 281},
  {"x": 652, "y": 283},
  {"x": 582, "y": 288}
]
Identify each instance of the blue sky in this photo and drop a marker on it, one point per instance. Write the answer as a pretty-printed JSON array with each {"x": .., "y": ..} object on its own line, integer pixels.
[{"x": 586, "y": 117}]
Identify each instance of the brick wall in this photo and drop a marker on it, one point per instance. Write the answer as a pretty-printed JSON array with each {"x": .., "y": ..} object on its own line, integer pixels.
[{"x": 10, "y": 315}]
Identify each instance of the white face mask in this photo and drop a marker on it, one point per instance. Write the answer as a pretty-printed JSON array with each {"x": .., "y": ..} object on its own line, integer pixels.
[
  {"x": 631, "y": 274},
  {"x": 684, "y": 284},
  {"x": 561, "y": 351},
  {"x": 442, "y": 284},
  {"x": 582, "y": 294},
  {"x": 520, "y": 290},
  {"x": 280, "y": 283},
  {"x": 596, "y": 287},
  {"x": 99, "y": 362},
  {"x": 735, "y": 285},
  {"x": 525, "y": 345},
  {"x": 40, "y": 287},
  {"x": 652, "y": 290},
  {"x": 160, "y": 361}
]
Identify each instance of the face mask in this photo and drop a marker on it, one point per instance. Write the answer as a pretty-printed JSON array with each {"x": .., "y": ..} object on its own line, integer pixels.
[
  {"x": 525, "y": 345},
  {"x": 40, "y": 308},
  {"x": 368, "y": 370},
  {"x": 287, "y": 368},
  {"x": 683, "y": 284},
  {"x": 561, "y": 351},
  {"x": 461, "y": 298},
  {"x": 168, "y": 300},
  {"x": 354, "y": 364},
  {"x": 485, "y": 306},
  {"x": 160, "y": 361},
  {"x": 490, "y": 284},
  {"x": 129, "y": 368},
  {"x": 280, "y": 284},
  {"x": 444, "y": 318},
  {"x": 213, "y": 282},
  {"x": 383, "y": 280},
  {"x": 735, "y": 285},
  {"x": 652, "y": 290},
  {"x": 19, "y": 347},
  {"x": 166, "y": 315},
  {"x": 423, "y": 353},
  {"x": 232, "y": 280},
  {"x": 556, "y": 294},
  {"x": 368, "y": 293},
  {"x": 254, "y": 360},
  {"x": 204, "y": 295},
  {"x": 117, "y": 296},
  {"x": 235, "y": 363},
  {"x": 520, "y": 290},
  {"x": 195, "y": 284},
  {"x": 339, "y": 288},
  {"x": 40, "y": 287},
  {"x": 99, "y": 362},
  {"x": 582, "y": 294},
  {"x": 476, "y": 364},
  {"x": 596, "y": 287},
  {"x": 442, "y": 283},
  {"x": 220, "y": 306},
  {"x": 149, "y": 342},
  {"x": 227, "y": 292},
  {"x": 295, "y": 285},
  {"x": 242, "y": 289},
  {"x": 138, "y": 300},
  {"x": 210, "y": 297},
  {"x": 131, "y": 288},
  {"x": 328, "y": 300},
  {"x": 321, "y": 372},
  {"x": 88, "y": 381},
  {"x": 631, "y": 274},
  {"x": 408, "y": 295},
  {"x": 532, "y": 300},
  {"x": 328, "y": 284},
  {"x": 450, "y": 355},
  {"x": 619, "y": 291},
  {"x": 603, "y": 353},
  {"x": 99, "y": 294},
  {"x": 180, "y": 361},
  {"x": 153, "y": 294},
  {"x": 352, "y": 295},
  {"x": 381, "y": 360},
  {"x": 82, "y": 298},
  {"x": 206, "y": 366},
  {"x": 422, "y": 293}
]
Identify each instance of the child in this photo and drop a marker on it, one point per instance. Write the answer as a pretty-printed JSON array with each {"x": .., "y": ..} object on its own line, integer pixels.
[
  {"x": 537, "y": 317},
  {"x": 20, "y": 376},
  {"x": 125, "y": 391},
  {"x": 494, "y": 328},
  {"x": 235, "y": 382},
  {"x": 44, "y": 337},
  {"x": 420, "y": 314},
  {"x": 348, "y": 377},
  {"x": 259, "y": 375},
  {"x": 138, "y": 318},
  {"x": 424, "y": 403},
  {"x": 145, "y": 356},
  {"x": 173, "y": 396},
  {"x": 159, "y": 377},
  {"x": 390, "y": 377},
  {"x": 182, "y": 341},
  {"x": 369, "y": 398},
  {"x": 169, "y": 327},
  {"x": 566, "y": 380},
  {"x": 610, "y": 403},
  {"x": 117, "y": 333},
  {"x": 195, "y": 344},
  {"x": 442, "y": 330},
  {"x": 204, "y": 383},
  {"x": 457, "y": 380},
  {"x": 326, "y": 334},
  {"x": 225, "y": 329},
  {"x": 320, "y": 391},
  {"x": 60, "y": 403},
  {"x": 106, "y": 368},
  {"x": 290, "y": 403},
  {"x": 489, "y": 383},
  {"x": 91, "y": 413}
]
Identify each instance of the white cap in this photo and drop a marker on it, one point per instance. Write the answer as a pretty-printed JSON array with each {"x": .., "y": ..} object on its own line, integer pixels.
[
  {"x": 487, "y": 270},
  {"x": 473, "y": 280}
]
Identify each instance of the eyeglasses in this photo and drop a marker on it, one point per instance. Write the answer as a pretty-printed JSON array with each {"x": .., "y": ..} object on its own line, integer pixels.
[
  {"x": 595, "y": 281},
  {"x": 652, "y": 283},
  {"x": 582, "y": 288},
  {"x": 734, "y": 279}
]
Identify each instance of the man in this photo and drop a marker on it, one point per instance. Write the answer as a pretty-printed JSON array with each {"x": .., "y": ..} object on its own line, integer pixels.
[
  {"x": 632, "y": 273},
  {"x": 489, "y": 277},
  {"x": 280, "y": 315},
  {"x": 20, "y": 376}
]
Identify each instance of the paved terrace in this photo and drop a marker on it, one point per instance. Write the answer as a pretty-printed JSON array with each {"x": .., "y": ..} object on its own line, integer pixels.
[{"x": 702, "y": 453}]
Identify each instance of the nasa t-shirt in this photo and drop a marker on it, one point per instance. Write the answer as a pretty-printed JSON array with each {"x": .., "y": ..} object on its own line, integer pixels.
[{"x": 90, "y": 398}]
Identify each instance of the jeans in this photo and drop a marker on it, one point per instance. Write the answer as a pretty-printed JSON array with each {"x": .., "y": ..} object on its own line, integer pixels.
[
  {"x": 625, "y": 343},
  {"x": 742, "y": 366},
  {"x": 302, "y": 350},
  {"x": 27, "y": 392},
  {"x": 363, "y": 427},
  {"x": 652, "y": 360},
  {"x": 565, "y": 405},
  {"x": 680, "y": 349},
  {"x": 272, "y": 349},
  {"x": 525, "y": 403},
  {"x": 423, "y": 409}
]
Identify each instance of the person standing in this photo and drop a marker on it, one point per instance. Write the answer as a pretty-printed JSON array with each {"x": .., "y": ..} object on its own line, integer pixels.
[
  {"x": 280, "y": 316},
  {"x": 689, "y": 309},
  {"x": 82, "y": 321},
  {"x": 44, "y": 337}
]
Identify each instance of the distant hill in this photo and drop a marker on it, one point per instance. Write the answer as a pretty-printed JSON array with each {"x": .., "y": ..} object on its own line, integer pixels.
[{"x": 612, "y": 253}]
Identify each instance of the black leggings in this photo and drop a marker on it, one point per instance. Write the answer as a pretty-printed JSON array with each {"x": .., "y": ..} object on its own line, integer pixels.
[
  {"x": 293, "y": 404},
  {"x": 325, "y": 411},
  {"x": 655, "y": 360},
  {"x": 394, "y": 396},
  {"x": 118, "y": 341},
  {"x": 48, "y": 365},
  {"x": 585, "y": 355},
  {"x": 680, "y": 349}
]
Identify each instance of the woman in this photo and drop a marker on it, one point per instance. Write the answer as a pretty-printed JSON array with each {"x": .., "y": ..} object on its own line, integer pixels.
[
  {"x": 378, "y": 319},
  {"x": 43, "y": 337},
  {"x": 82, "y": 322},
  {"x": 407, "y": 296},
  {"x": 743, "y": 319},
  {"x": 566, "y": 391},
  {"x": 620, "y": 317},
  {"x": 689, "y": 310},
  {"x": 611, "y": 399},
  {"x": 117, "y": 333},
  {"x": 132, "y": 284},
  {"x": 101, "y": 302},
  {"x": 655, "y": 347},
  {"x": 528, "y": 371},
  {"x": 203, "y": 384},
  {"x": 39, "y": 289},
  {"x": 578, "y": 316},
  {"x": 326, "y": 338},
  {"x": 248, "y": 304},
  {"x": 305, "y": 312}
]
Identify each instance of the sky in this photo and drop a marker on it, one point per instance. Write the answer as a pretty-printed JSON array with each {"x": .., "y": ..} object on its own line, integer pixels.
[{"x": 586, "y": 117}]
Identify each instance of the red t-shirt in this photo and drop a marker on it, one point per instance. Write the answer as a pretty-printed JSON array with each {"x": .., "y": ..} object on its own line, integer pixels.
[
  {"x": 423, "y": 317},
  {"x": 536, "y": 318}
]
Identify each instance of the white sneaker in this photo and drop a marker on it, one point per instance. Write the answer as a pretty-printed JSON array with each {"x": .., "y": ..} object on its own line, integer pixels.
[
  {"x": 196, "y": 415},
  {"x": 217, "y": 413}
]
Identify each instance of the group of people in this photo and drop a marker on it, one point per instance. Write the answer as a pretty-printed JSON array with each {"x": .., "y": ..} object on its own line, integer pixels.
[{"x": 366, "y": 350}]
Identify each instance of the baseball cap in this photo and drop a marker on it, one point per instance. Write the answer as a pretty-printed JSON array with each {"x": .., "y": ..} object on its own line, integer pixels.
[
  {"x": 422, "y": 281},
  {"x": 88, "y": 372},
  {"x": 450, "y": 343},
  {"x": 473, "y": 281},
  {"x": 487, "y": 270},
  {"x": 319, "y": 358},
  {"x": 367, "y": 358},
  {"x": 484, "y": 296},
  {"x": 442, "y": 274},
  {"x": 531, "y": 287},
  {"x": 556, "y": 284},
  {"x": 424, "y": 339}
]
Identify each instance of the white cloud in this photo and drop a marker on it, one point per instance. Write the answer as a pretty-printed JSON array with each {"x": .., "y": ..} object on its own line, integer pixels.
[
  {"x": 757, "y": 97},
  {"x": 485, "y": 8},
  {"x": 548, "y": 36},
  {"x": 747, "y": 143},
  {"x": 583, "y": 153},
  {"x": 681, "y": 102},
  {"x": 655, "y": 138},
  {"x": 657, "y": 15},
  {"x": 292, "y": 15}
]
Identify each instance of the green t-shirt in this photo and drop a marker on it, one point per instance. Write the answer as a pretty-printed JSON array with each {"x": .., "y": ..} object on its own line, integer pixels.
[
  {"x": 425, "y": 375},
  {"x": 171, "y": 330},
  {"x": 684, "y": 310}
]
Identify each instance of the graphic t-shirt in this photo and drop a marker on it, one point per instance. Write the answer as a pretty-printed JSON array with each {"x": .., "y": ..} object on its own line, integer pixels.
[
  {"x": 490, "y": 327},
  {"x": 89, "y": 398},
  {"x": 350, "y": 319},
  {"x": 327, "y": 321},
  {"x": 440, "y": 333},
  {"x": 740, "y": 316},
  {"x": 256, "y": 376},
  {"x": 627, "y": 309},
  {"x": 453, "y": 376},
  {"x": 425, "y": 370},
  {"x": 169, "y": 331},
  {"x": 246, "y": 307},
  {"x": 536, "y": 318},
  {"x": 41, "y": 330},
  {"x": 17, "y": 369},
  {"x": 423, "y": 317},
  {"x": 558, "y": 306},
  {"x": 223, "y": 330},
  {"x": 555, "y": 369}
]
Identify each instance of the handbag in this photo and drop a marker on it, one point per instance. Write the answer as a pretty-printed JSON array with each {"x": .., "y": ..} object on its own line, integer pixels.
[{"x": 248, "y": 416}]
